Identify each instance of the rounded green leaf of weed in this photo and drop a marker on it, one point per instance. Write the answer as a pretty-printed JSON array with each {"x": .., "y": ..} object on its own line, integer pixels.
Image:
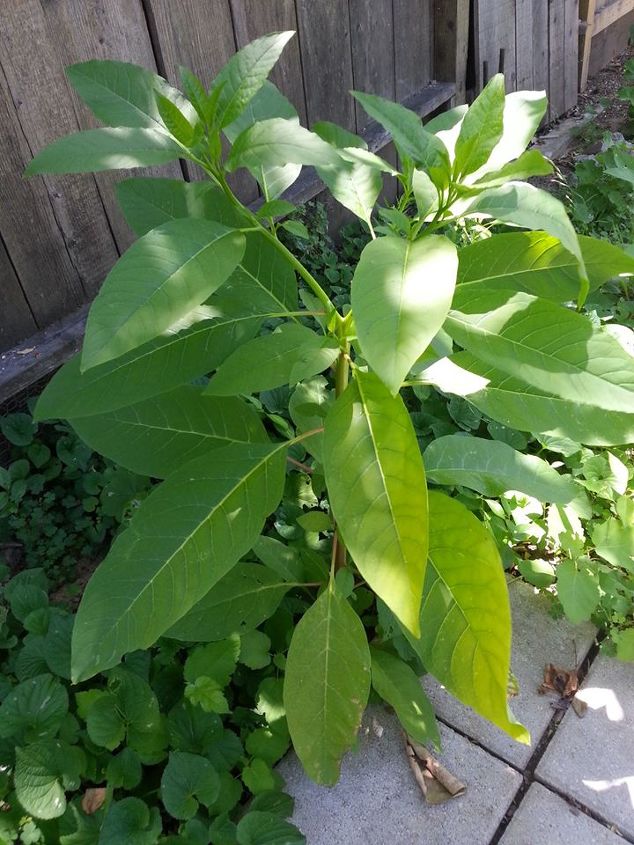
[
  {"x": 124, "y": 770},
  {"x": 165, "y": 562},
  {"x": 401, "y": 294},
  {"x": 131, "y": 821},
  {"x": 259, "y": 777},
  {"x": 43, "y": 772},
  {"x": 187, "y": 780},
  {"x": 614, "y": 542},
  {"x": 216, "y": 660},
  {"x": 624, "y": 644},
  {"x": 33, "y": 710},
  {"x": 261, "y": 828},
  {"x": 380, "y": 499},
  {"x": 577, "y": 589},
  {"x": 158, "y": 281},
  {"x": 398, "y": 685},
  {"x": 465, "y": 615},
  {"x": 268, "y": 744},
  {"x": 326, "y": 685},
  {"x": 191, "y": 729}
]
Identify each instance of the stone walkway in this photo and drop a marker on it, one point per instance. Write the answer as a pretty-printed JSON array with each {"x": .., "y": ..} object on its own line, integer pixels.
[{"x": 575, "y": 784}]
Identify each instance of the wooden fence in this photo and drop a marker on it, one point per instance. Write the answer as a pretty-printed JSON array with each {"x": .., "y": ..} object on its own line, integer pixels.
[{"x": 59, "y": 236}]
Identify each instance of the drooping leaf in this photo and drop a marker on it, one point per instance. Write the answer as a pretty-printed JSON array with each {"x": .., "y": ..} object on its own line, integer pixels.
[
  {"x": 187, "y": 780},
  {"x": 538, "y": 264},
  {"x": 523, "y": 112},
  {"x": 401, "y": 294},
  {"x": 425, "y": 193},
  {"x": 239, "y": 602},
  {"x": 549, "y": 347},
  {"x": 380, "y": 502},
  {"x": 356, "y": 186},
  {"x": 276, "y": 142},
  {"x": 157, "y": 436},
  {"x": 43, "y": 773},
  {"x": 398, "y": 685},
  {"x": 262, "y": 828},
  {"x": 105, "y": 149},
  {"x": 179, "y": 544},
  {"x": 530, "y": 163},
  {"x": 123, "y": 94},
  {"x": 158, "y": 281},
  {"x": 481, "y": 128},
  {"x": 245, "y": 73},
  {"x": 175, "y": 121},
  {"x": 577, "y": 589},
  {"x": 465, "y": 615},
  {"x": 492, "y": 467},
  {"x": 288, "y": 355},
  {"x": 326, "y": 685}
]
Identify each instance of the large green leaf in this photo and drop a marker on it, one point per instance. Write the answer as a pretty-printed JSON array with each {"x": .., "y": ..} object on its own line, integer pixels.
[
  {"x": 277, "y": 142},
  {"x": 491, "y": 468},
  {"x": 157, "y": 436},
  {"x": 149, "y": 202},
  {"x": 43, "y": 772},
  {"x": 523, "y": 112},
  {"x": 465, "y": 615},
  {"x": 549, "y": 347},
  {"x": 377, "y": 491},
  {"x": 326, "y": 685},
  {"x": 530, "y": 163},
  {"x": 123, "y": 94},
  {"x": 245, "y": 73},
  {"x": 577, "y": 589},
  {"x": 481, "y": 128},
  {"x": 517, "y": 404},
  {"x": 105, "y": 149},
  {"x": 239, "y": 602},
  {"x": 397, "y": 684},
  {"x": 537, "y": 263},
  {"x": 184, "y": 537},
  {"x": 158, "y": 281},
  {"x": 406, "y": 128},
  {"x": 401, "y": 294},
  {"x": 614, "y": 542},
  {"x": 188, "y": 779},
  {"x": 289, "y": 354}
]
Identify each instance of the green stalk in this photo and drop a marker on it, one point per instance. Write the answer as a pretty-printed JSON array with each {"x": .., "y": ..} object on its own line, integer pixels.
[{"x": 342, "y": 371}]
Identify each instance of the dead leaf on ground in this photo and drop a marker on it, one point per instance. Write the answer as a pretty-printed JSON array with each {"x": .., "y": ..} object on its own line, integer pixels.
[
  {"x": 93, "y": 799},
  {"x": 436, "y": 783},
  {"x": 564, "y": 682}
]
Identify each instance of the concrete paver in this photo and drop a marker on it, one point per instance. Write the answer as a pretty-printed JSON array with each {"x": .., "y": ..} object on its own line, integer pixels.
[
  {"x": 592, "y": 759},
  {"x": 538, "y": 639},
  {"x": 377, "y": 801},
  {"x": 544, "y": 818}
]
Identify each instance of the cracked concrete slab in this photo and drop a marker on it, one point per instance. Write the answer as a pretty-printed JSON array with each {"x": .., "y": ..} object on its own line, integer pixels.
[
  {"x": 377, "y": 801},
  {"x": 545, "y": 817},
  {"x": 538, "y": 639},
  {"x": 592, "y": 759}
]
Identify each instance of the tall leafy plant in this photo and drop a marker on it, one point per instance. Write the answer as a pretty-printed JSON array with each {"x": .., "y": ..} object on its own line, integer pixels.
[{"x": 209, "y": 289}]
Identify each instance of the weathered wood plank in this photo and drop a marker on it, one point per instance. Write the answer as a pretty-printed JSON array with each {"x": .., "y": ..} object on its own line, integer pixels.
[
  {"x": 524, "y": 45},
  {"x": 113, "y": 30},
  {"x": 540, "y": 44},
  {"x": 495, "y": 41},
  {"x": 571, "y": 53},
  {"x": 17, "y": 320},
  {"x": 252, "y": 18},
  {"x": 197, "y": 34},
  {"x": 29, "y": 229},
  {"x": 372, "y": 63},
  {"x": 35, "y": 77},
  {"x": 609, "y": 42},
  {"x": 556, "y": 50},
  {"x": 610, "y": 13},
  {"x": 413, "y": 42},
  {"x": 587, "y": 9},
  {"x": 451, "y": 44},
  {"x": 324, "y": 37}
]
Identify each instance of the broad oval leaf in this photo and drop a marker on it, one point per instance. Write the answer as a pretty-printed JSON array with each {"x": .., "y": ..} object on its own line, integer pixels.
[
  {"x": 537, "y": 263},
  {"x": 245, "y": 73},
  {"x": 239, "y": 602},
  {"x": 277, "y": 142},
  {"x": 523, "y": 112},
  {"x": 481, "y": 128},
  {"x": 465, "y": 617},
  {"x": 33, "y": 710},
  {"x": 530, "y": 163},
  {"x": 578, "y": 589},
  {"x": 401, "y": 294},
  {"x": 187, "y": 780},
  {"x": 326, "y": 685},
  {"x": 397, "y": 684},
  {"x": 356, "y": 186},
  {"x": 131, "y": 820},
  {"x": 380, "y": 501},
  {"x": 161, "y": 278},
  {"x": 43, "y": 773},
  {"x": 492, "y": 468},
  {"x": 157, "y": 436},
  {"x": 614, "y": 542},
  {"x": 552, "y": 348},
  {"x": 258, "y": 827},
  {"x": 105, "y": 149},
  {"x": 289, "y": 354},
  {"x": 184, "y": 537}
]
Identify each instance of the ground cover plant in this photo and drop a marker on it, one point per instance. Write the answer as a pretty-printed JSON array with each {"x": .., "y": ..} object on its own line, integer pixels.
[{"x": 335, "y": 504}]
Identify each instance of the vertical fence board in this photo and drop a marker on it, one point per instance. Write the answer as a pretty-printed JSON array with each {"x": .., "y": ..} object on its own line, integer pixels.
[
  {"x": 571, "y": 53},
  {"x": 451, "y": 44},
  {"x": 372, "y": 69},
  {"x": 540, "y": 44},
  {"x": 495, "y": 41},
  {"x": 324, "y": 36},
  {"x": 16, "y": 320},
  {"x": 113, "y": 30},
  {"x": 252, "y": 18},
  {"x": 524, "y": 44},
  {"x": 413, "y": 40},
  {"x": 556, "y": 47}
]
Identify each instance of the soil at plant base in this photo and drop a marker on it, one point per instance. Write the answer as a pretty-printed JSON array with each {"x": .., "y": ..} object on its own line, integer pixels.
[{"x": 69, "y": 595}]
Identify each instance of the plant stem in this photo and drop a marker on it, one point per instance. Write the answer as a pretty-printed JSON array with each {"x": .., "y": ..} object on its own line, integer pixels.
[{"x": 339, "y": 554}]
